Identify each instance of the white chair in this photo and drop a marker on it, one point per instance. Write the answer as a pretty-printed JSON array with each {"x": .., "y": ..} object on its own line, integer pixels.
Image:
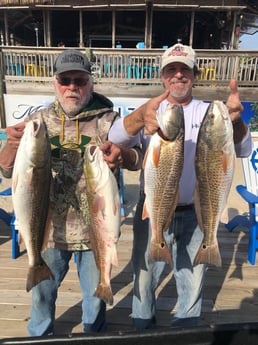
[{"x": 249, "y": 192}]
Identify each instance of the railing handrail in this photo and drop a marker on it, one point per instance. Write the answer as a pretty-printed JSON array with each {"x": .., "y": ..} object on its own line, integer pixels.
[
  {"x": 157, "y": 51},
  {"x": 139, "y": 66}
]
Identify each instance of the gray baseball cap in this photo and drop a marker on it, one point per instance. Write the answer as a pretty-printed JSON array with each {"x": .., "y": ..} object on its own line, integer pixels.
[{"x": 71, "y": 60}]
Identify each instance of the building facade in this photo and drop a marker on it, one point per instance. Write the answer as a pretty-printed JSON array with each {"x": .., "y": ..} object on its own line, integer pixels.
[{"x": 203, "y": 24}]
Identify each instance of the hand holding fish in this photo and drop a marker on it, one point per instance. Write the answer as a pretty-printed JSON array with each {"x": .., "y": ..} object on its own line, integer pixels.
[
  {"x": 14, "y": 134},
  {"x": 150, "y": 113},
  {"x": 112, "y": 154},
  {"x": 233, "y": 103},
  {"x": 121, "y": 157},
  {"x": 145, "y": 116},
  {"x": 8, "y": 153}
]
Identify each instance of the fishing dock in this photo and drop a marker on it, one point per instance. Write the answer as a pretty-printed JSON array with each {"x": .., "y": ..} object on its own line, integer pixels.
[{"x": 230, "y": 293}]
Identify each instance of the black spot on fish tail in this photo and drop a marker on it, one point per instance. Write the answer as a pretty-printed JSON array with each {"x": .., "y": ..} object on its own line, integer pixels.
[
  {"x": 208, "y": 255},
  {"x": 104, "y": 292},
  {"x": 160, "y": 252},
  {"x": 37, "y": 274}
]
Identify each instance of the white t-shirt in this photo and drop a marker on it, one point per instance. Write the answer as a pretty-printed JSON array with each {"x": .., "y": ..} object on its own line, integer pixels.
[{"x": 194, "y": 113}]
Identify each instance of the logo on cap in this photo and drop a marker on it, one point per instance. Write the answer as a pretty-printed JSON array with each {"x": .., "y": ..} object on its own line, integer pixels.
[
  {"x": 178, "y": 51},
  {"x": 72, "y": 58}
]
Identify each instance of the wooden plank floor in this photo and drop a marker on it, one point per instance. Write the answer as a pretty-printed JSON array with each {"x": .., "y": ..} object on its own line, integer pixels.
[{"x": 230, "y": 294}]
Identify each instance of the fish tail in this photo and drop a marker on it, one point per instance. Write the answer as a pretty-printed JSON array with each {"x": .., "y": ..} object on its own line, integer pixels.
[
  {"x": 104, "y": 292},
  {"x": 208, "y": 255},
  {"x": 160, "y": 252},
  {"x": 36, "y": 274}
]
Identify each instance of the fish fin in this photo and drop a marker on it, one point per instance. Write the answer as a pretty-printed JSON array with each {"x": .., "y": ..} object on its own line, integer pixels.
[
  {"x": 36, "y": 274},
  {"x": 171, "y": 212},
  {"x": 29, "y": 176},
  {"x": 160, "y": 252},
  {"x": 14, "y": 183},
  {"x": 197, "y": 206},
  {"x": 20, "y": 239},
  {"x": 46, "y": 230},
  {"x": 208, "y": 255},
  {"x": 226, "y": 161},
  {"x": 104, "y": 292},
  {"x": 145, "y": 213},
  {"x": 114, "y": 260},
  {"x": 169, "y": 218},
  {"x": 116, "y": 206},
  {"x": 98, "y": 203},
  {"x": 156, "y": 155},
  {"x": 145, "y": 158},
  {"x": 224, "y": 215}
]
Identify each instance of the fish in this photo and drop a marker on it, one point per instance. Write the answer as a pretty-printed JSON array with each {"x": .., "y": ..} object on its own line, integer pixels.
[
  {"x": 104, "y": 216},
  {"x": 214, "y": 168},
  {"x": 163, "y": 165},
  {"x": 30, "y": 195}
]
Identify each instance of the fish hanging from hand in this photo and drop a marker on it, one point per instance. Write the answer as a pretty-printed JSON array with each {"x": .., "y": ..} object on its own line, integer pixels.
[
  {"x": 30, "y": 194},
  {"x": 214, "y": 166},
  {"x": 163, "y": 164},
  {"x": 104, "y": 206}
]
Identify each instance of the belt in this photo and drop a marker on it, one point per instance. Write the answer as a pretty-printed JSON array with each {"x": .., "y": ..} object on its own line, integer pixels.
[{"x": 182, "y": 208}]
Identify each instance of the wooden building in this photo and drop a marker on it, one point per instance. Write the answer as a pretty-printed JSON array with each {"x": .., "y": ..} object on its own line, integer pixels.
[{"x": 203, "y": 24}]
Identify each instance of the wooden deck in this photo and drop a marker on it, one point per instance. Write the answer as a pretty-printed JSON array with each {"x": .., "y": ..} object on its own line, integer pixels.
[{"x": 230, "y": 294}]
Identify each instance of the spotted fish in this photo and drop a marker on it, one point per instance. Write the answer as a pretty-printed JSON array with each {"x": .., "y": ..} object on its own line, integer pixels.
[
  {"x": 163, "y": 164},
  {"x": 214, "y": 165}
]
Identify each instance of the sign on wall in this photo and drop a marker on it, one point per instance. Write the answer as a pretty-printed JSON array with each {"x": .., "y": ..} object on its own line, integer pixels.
[{"x": 17, "y": 107}]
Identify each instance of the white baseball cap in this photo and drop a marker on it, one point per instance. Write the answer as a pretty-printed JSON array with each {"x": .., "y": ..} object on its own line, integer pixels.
[{"x": 179, "y": 53}]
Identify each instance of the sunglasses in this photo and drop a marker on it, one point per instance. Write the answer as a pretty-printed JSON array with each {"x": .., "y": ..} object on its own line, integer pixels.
[{"x": 65, "y": 81}]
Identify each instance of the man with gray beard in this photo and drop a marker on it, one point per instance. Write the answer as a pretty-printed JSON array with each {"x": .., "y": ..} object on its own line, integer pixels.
[{"x": 77, "y": 116}]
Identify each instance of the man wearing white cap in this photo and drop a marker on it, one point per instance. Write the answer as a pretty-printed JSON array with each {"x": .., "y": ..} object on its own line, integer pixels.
[{"x": 178, "y": 72}]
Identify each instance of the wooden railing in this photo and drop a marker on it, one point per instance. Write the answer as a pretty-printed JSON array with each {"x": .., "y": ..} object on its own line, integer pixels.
[{"x": 137, "y": 66}]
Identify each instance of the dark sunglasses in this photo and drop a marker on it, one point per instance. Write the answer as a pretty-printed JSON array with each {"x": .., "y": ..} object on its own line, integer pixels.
[{"x": 65, "y": 81}]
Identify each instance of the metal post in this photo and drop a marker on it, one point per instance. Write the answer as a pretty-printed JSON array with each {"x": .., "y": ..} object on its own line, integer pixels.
[
  {"x": 2, "y": 91},
  {"x": 37, "y": 35},
  {"x": 81, "y": 43},
  {"x": 192, "y": 29},
  {"x": 113, "y": 28}
]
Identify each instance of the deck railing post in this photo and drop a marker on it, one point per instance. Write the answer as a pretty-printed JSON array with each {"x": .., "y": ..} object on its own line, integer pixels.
[{"x": 2, "y": 91}]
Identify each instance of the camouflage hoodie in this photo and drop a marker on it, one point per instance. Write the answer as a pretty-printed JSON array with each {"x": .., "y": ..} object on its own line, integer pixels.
[{"x": 69, "y": 228}]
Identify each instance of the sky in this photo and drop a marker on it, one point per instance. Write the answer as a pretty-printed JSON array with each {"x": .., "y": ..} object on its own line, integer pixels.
[{"x": 249, "y": 42}]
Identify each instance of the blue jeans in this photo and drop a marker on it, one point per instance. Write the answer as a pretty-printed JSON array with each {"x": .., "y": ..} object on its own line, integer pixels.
[
  {"x": 183, "y": 238},
  {"x": 44, "y": 295}
]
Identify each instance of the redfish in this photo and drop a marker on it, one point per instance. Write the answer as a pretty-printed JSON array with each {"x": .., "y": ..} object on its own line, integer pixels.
[
  {"x": 30, "y": 194},
  {"x": 163, "y": 164},
  {"x": 214, "y": 166},
  {"x": 104, "y": 215}
]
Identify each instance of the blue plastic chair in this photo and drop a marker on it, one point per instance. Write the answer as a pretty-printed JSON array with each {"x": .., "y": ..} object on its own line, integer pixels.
[
  {"x": 10, "y": 221},
  {"x": 249, "y": 193},
  {"x": 133, "y": 72},
  {"x": 146, "y": 72}
]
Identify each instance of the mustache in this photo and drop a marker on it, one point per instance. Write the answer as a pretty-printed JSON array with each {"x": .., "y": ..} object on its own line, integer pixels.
[
  {"x": 72, "y": 94},
  {"x": 178, "y": 80}
]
